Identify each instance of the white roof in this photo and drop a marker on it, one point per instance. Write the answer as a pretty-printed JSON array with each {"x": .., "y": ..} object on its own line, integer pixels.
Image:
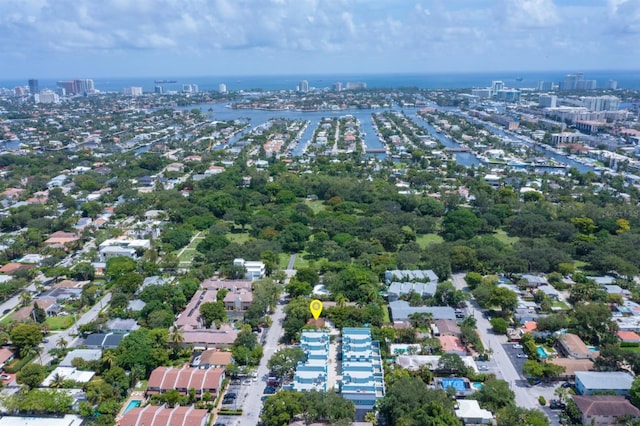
[
  {"x": 68, "y": 420},
  {"x": 470, "y": 409},
  {"x": 69, "y": 373}
]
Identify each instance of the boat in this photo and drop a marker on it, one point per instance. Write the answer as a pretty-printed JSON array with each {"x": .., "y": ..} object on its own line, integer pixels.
[
  {"x": 164, "y": 81},
  {"x": 519, "y": 78}
]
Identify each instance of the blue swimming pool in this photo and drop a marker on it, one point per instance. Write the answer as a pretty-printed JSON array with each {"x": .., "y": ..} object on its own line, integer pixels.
[
  {"x": 542, "y": 354},
  {"x": 457, "y": 384},
  {"x": 477, "y": 385},
  {"x": 134, "y": 403}
]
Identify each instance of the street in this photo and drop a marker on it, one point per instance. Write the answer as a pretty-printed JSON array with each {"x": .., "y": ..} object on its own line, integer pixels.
[
  {"x": 89, "y": 316},
  {"x": 252, "y": 394},
  {"x": 526, "y": 396}
]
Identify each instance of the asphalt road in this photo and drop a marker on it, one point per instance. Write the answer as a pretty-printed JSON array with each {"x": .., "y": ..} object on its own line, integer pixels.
[
  {"x": 251, "y": 395},
  {"x": 72, "y": 341}
]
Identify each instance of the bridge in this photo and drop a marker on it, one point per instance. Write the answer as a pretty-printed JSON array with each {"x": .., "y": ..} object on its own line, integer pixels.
[{"x": 458, "y": 149}]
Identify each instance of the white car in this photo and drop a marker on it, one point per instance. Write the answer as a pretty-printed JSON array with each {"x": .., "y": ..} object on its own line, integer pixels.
[
  {"x": 522, "y": 356},
  {"x": 517, "y": 346},
  {"x": 483, "y": 368}
]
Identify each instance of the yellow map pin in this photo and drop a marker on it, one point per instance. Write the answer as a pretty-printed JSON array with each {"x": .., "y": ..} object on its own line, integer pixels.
[{"x": 316, "y": 308}]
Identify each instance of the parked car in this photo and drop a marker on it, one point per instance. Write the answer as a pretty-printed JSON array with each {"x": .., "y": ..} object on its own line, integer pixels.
[
  {"x": 517, "y": 346},
  {"x": 483, "y": 368},
  {"x": 45, "y": 340},
  {"x": 231, "y": 395},
  {"x": 246, "y": 382},
  {"x": 269, "y": 390},
  {"x": 5, "y": 377},
  {"x": 522, "y": 356},
  {"x": 566, "y": 385},
  {"x": 556, "y": 404}
]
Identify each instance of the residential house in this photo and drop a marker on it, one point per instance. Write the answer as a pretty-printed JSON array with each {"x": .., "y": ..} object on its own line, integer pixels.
[
  {"x": 398, "y": 289},
  {"x": 629, "y": 336},
  {"x": 122, "y": 326},
  {"x": 414, "y": 362},
  {"x": 362, "y": 372},
  {"x": 161, "y": 415},
  {"x": 571, "y": 366},
  {"x": 66, "y": 420},
  {"x": 183, "y": 379},
  {"x": 452, "y": 345},
  {"x": 255, "y": 269},
  {"x": 446, "y": 327},
  {"x": 572, "y": 346},
  {"x": 13, "y": 268},
  {"x": 590, "y": 382},
  {"x": 68, "y": 373},
  {"x": 408, "y": 275},
  {"x": 213, "y": 358},
  {"x": 50, "y": 307},
  {"x": 534, "y": 280},
  {"x": 154, "y": 280},
  {"x": 313, "y": 372},
  {"x": 129, "y": 248},
  {"x": 84, "y": 354},
  {"x": 103, "y": 340},
  {"x": 6, "y": 355},
  {"x": 238, "y": 301},
  {"x": 605, "y": 409},
  {"x": 61, "y": 239},
  {"x": 470, "y": 413},
  {"x": 401, "y": 311},
  {"x": 59, "y": 294}
]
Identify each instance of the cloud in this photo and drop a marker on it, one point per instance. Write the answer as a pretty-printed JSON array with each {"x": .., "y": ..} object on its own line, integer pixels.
[
  {"x": 624, "y": 16},
  {"x": 527, "y": 14}
]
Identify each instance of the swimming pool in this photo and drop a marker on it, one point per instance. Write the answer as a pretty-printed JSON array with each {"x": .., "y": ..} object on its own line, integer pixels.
[
  {"x": 477, "y": 385},
  {"x": 457, "y": 384},
  {"x": 542, "y": 354},
  {"x": 134, "y": 403}
]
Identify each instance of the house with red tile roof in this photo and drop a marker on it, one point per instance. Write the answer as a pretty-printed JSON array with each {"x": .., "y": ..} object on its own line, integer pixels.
[
  {"x": 154, "y": 415},
  {"x": 452, "y": 345},
  {"x": 629, "y": 336},
  {"x": 61, "y": 238},
  {"x": 183, "y": 379}
]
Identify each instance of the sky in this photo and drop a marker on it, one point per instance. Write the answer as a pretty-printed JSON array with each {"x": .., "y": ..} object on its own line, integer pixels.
[{"x": 135, "y": 38}]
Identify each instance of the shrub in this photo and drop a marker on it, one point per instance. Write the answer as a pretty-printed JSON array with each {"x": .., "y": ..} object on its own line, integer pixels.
[{"x": 541, "y": 400}]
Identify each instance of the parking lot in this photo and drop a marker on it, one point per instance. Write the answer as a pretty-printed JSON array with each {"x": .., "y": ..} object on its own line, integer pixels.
[
  {"x": 241, "y": 392},
  {"x": 512, "y": 353}
]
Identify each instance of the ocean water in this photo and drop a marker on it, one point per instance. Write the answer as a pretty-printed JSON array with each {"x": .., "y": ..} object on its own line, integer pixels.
[{"x": 625, "y": 79}]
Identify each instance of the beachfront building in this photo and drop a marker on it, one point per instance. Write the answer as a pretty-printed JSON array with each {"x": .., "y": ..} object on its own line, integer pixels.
[
  {"x": 312, "y": 373},
  {"x": 362, "y": 372}
]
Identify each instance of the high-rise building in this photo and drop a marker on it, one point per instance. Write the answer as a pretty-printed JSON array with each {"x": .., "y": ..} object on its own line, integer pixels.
[
  {"x": 68, "y": 86},
  {"x": 508, "y": 95},
  {"x": 355, "y": 85},
  {"x": 46, "y": 97},
  {"x": 548, "y": 101},
  {"x": 612, "y": 84},
  {"x": 545, "y": 85},
  {"x": 222, "y": 88},
  {"x": 83, "y": 86},
  {"x": 158, "y": 89},
  {"x": 601, "y": 103},
  {"x": 303, "y": 86},
  {"x": 190, "y": 88},
  {"x": 33, "y": 86},
  {"x": 133, "y": 91},
  {"x": 337, "y": 86},
  {"x": 496, "y": 86},
  {"x": 18, "y": 91}
]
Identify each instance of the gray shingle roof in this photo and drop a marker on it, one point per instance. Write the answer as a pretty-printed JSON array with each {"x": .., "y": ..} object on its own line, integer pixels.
[
  {"x": 400, "y": 311},
  {"x": 605, "y": 380}
]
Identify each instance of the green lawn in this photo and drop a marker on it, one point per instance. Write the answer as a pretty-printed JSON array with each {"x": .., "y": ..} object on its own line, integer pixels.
[
  {"x": 59, "y": 322},
  {"x": 187, "y": 255},
  {"x": 506, "y": 239},
  {"x": 579, "y": 264},
  {"x": 240, "y": 237},
  {"x": 428, "y": 239},
  {"x": 387, "y": 318},
  {"x": 636, "y": 349},
  {"x": 316, "y": 206},
  {"x": 561, "y": 305}
]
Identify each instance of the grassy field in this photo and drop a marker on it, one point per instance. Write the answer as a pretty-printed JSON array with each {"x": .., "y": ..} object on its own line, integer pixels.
[
  {"x": 59, "y": 322},
  {"x": 502, "y": 236},
  {"x": 239, "y": 237},
  {"x": 428, "y": 239},
  {"x": 316, "y": 206}
]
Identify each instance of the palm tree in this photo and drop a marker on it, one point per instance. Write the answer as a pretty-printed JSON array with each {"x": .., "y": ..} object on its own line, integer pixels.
[
  {"x": 57, "y": 381},
  {"x": 341, "y": 300},
  {"x": 25, "y": 298},
  {"x": 109, "y": 357},
  {"x": 176, "y": 337},
  {"x": 62, "y": 343}
]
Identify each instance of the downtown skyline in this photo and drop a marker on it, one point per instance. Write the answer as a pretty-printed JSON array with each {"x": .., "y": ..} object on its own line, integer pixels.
[{"x": 117, "y": 38}]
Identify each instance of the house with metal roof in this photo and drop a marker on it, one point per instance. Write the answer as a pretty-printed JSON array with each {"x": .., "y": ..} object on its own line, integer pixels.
[
  {"x": 401, "y": 311},
  {"x": 590, "y": 382},
  {"x": 313, "y": 372}
]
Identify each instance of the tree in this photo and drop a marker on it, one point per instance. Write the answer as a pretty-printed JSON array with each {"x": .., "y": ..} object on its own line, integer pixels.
[
  {"x": 460, "y": 224},
  {"x": 495, "y": 395},
  {"x": 452, "y": 363},
  {"x": 504, "y": 299},
  {"x": 31, "y": 375},
  {"x": 119, "y": 266},
  {"x": 518, "y": 416},
  {"x": 61, "y": 343},
  {"x": 212, "y": 312},
  {"x": 285, "y": 361},
  {"x": 26, "y": 336},
  {"x": 499, "y": 325},
  {"x": 409, "y": 402},
  {"x": 281, "y": 408},
  {"x": 634, "y": 392}
]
